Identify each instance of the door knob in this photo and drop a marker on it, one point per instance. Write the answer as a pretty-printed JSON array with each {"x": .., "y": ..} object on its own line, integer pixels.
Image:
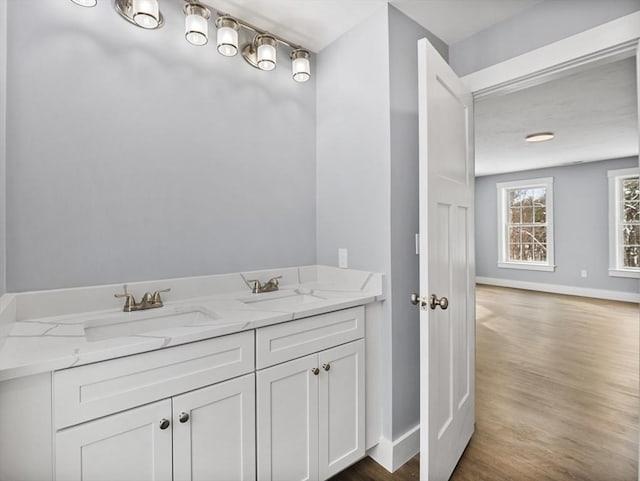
[
  {"x": 164, "y": 423},
  {"x": 434, "y": 302},
  {"x": 416, "y": 299},
  {"x": 183, "y": 417}
]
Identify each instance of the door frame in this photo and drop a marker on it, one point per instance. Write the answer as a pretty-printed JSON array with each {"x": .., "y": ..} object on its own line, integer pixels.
[{"x": 605, "y": 43}]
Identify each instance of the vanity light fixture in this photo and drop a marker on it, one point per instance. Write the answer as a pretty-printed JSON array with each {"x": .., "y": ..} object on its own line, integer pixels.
[
  {"x": 196, "y": 23},
  {"x": 227, "y": 35},
  {"x": 86, "y": 3},
  {"x": 143, "y": 13},
  {"x": 260, "y": 52},
  {"x": 539, "y": 137},
  {"x": 300, "y": 65}
]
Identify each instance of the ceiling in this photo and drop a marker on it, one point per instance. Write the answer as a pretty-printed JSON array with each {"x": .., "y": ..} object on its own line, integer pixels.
[
  {"x": 315, "y": 24},
  {"x": 592, "y": 113}
]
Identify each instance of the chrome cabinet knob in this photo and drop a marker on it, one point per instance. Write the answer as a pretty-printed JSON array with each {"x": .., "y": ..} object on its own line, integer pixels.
[
  {"x": 326, "y": 366},
  {"x": 434, "y": 302},
  {"x": 183, "y": 417},
  {"x": 164, "y": 423},
  {"x": 416, "y": 299},
  {"x": 315, "y": 371}
]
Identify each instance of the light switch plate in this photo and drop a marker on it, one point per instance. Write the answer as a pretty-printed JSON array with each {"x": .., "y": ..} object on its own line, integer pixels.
[{"x": 343, "y": 258}]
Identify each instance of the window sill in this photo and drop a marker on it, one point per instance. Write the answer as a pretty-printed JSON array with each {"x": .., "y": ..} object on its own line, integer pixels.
[
  {"x": 624, "y": 273},
  {"x": 527, "y": 266}
]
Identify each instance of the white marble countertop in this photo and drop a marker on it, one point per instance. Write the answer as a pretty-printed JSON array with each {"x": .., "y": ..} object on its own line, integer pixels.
[{"x": 31, "y": 342}]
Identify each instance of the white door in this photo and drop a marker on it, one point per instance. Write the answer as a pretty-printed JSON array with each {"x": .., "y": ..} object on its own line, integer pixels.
[
  {"x": 214, "y": 432},
  {"x": 287, "y": 419},
  {"x": 341, "y": 408},
  {"x": 135, "y": 444},
  {"x": 447, "y": 270}
]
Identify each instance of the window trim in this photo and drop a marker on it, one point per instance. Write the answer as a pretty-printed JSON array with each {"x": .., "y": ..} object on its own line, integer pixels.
[
  {"x": 502, "y": 189},
  {"x": 615, "y": 239}
]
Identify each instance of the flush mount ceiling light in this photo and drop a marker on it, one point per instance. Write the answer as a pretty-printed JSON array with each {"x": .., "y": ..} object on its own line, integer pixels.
[
  {"x": 260, "y": 52},
  {"x": 143, "y": 13},
  {"x": 539, "y": 137},
  {"x": 196, "y": 24},
  {"x": 86, "y": 3}
]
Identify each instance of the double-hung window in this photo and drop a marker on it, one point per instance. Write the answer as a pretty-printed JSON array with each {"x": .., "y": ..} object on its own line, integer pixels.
[
  {"x": 525, "y": 224},
  {"x": 624, "y": 222}
]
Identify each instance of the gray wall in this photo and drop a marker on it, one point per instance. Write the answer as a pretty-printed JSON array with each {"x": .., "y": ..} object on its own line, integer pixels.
[
  {"x": 353, "y": 160},
  {"x": 133, "y": 155},
  {"x": 403, "y": 72},
  {"x": 539, "y": 25},
  {"x": 3, "y": 144},
  {"x": 581, "y": 226}
]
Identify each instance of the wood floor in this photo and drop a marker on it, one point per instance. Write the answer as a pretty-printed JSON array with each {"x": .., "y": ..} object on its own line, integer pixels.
[{"x": 556, "y": 392}]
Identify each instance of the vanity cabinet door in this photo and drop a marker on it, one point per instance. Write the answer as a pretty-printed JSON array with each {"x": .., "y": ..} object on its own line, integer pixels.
[
  {"x": 341, "y": 408},
  {"x": 135, "y": 444},
  {"x": 214, "y": 432},
  {"x": 287, "y": 417}
]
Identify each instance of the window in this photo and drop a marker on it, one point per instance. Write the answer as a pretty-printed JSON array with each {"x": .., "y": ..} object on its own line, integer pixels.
[
  {"x": 525, "y": 224},
  {"x": 624, "y": 223}
]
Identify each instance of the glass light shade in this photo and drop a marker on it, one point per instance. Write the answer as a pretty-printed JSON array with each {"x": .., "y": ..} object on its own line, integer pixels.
[
  {"x": 266, "y": 52},
  {"x": 146, "y": 13},
  {"x": 86, "y": 3},
  {"x": 196, "y": 29},
  {"x": 227, "y": 36},
  {"x": 300, "y": 65}
]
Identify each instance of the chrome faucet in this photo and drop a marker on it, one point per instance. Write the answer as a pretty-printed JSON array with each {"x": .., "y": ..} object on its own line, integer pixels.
[
  {"x": 269, "y": 286},
  {"x": 149, "y": 301}
]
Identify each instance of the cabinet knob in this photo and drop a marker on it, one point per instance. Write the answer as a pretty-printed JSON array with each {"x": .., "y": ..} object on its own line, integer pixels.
[
  {"x": 164, "y": 423},
  {"x": 183, "y": 417},
  {"x": 315, "y": 371},
  {"x": 326, "y": 366}
]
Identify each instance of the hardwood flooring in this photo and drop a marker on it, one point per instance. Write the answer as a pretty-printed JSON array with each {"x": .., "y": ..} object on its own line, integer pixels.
[{"x": 556, "y": 392}]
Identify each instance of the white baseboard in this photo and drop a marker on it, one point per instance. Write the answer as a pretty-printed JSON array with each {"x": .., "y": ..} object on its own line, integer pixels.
[
  {"x": 560, "y": 289},
  {"x": 391, "y": 455}
]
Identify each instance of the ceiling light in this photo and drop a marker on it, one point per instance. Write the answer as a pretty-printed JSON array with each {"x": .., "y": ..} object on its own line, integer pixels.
[
  {"x": 300, "y": 65},
  {"x": 143, "y": 13},
  {"x": 539, "y": 137},
  {"x": 85, "y": 3},
  {"x": 227, "y": 36},
  {"x": 196, "y": 24}
]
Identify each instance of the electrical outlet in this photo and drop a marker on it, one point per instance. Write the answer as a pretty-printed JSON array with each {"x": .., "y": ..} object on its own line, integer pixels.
[
  {"x": 343, "y": 258},
  {"x": 583, "y": 273}
]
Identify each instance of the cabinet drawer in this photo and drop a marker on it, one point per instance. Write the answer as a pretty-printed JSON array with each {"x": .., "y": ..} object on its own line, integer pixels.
[
  {"x": 289, "y": 340},
  {"x": 87, "y": 392}
]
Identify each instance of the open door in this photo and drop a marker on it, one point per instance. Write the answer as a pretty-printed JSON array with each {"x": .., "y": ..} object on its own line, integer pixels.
[{"x": 447, "y": 267}]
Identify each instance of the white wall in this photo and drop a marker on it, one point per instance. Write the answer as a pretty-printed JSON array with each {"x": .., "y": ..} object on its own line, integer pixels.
[
  {"x": 581, "y": 227},
  {"x": 133, "y": 155},
  {"x": 539, "y": 25}
]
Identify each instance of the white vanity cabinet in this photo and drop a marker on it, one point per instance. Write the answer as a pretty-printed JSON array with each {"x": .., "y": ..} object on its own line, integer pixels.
[
  {"x": 311, "y": 410},
  {"x": 203, "y": 434}
]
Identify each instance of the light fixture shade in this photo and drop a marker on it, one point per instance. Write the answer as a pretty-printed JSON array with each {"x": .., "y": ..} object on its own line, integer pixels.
[
  {"x": 300, "y": 65},
  {"x": 196, "y": 25},
  {"x": 86, "y": 3},
  {"x": 146, "y": 13},
  {"x": 227, "y": 36},
  {"x": 266, "y": 51}
]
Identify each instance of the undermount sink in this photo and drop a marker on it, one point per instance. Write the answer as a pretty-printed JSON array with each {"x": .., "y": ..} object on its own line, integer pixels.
[
  {"x": 280, "y": 300},
  {"x": 131, "y": 323}
]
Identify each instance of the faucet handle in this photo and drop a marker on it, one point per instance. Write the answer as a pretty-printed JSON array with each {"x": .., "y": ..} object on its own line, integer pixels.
[
  {"x": 156, "y": 299},
  {"x": 274, "y": 281},
  {"x": 129, "y": 304},
  {"x": 255, "y": 285}
]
